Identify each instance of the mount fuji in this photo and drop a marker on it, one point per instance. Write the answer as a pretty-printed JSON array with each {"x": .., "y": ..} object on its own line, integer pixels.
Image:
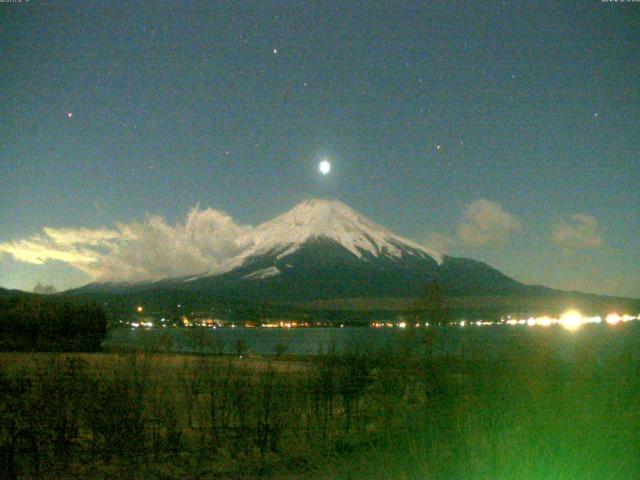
[{"x": 323, "y": 250}]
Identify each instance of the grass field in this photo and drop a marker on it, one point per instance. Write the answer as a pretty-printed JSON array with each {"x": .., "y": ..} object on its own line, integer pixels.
[{"x": 526, "y": 411}]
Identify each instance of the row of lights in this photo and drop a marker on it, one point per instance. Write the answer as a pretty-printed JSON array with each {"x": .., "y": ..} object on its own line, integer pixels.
[
  {"x": 399, "y": 325},
  {"x": 571, "y": 320}
]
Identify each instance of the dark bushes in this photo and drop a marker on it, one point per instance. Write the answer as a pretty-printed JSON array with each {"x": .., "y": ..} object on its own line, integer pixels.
[{"x": 496, "y": 414}]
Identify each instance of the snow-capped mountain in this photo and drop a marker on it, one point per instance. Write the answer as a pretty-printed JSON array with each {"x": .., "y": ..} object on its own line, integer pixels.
[
  {"x": 321, "y": 220},
  {"x": 323, "y": 249},
  {"x": 330, "y": 220}
]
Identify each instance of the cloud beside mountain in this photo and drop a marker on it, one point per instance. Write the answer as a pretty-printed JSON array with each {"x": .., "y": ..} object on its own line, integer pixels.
[
  {"x": 147, "y": 250},
  {"x": 581, "y": 232},
  {"x": 207, "y": 239},
  {"x": 484, "y": 223}
]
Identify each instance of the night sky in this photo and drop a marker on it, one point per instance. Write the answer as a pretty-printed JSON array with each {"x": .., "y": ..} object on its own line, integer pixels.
[{"x": 508, "y": 132}]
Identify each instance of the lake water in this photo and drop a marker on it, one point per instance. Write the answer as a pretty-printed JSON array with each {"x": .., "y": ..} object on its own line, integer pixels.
[{"x": 306, "y": 341}]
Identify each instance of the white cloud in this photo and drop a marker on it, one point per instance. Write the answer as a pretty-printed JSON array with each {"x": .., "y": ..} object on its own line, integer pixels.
[
  {"x": 151, "y": 249},
  {"x": 38, "y": 249},
  {"x": 82, "y": 236},
  {"x": 441, "y": 243},
  {"x": 582, "y": 232},
  {"x": 485, "y": 222}
]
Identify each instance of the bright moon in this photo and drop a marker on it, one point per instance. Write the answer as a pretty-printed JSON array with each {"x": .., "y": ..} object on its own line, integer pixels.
[{"x": 324, "y": 167}]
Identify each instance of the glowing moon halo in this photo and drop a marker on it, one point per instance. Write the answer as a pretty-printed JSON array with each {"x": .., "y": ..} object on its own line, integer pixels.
[{"x": 324, "y": 167}]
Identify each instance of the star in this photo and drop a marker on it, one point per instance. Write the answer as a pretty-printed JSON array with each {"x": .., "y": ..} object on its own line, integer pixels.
[
  {"x": 70, "y": 114},
  {"x": 595, "y": 114},
  {"x": 275, "y": 51},
  {"x": 438, "y": 147}
]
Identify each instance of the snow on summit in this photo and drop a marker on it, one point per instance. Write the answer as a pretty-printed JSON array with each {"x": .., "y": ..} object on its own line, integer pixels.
[{"x": 333, "y": 220}]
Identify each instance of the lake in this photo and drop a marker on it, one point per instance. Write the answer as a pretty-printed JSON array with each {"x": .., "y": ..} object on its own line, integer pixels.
[{"x": 453, "y": 340}]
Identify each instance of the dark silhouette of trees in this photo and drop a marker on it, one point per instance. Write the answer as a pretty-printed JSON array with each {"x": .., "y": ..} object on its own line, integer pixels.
[
  {"x": 44, "y": 289},
  {"x": 432, "y": 307},
  {"x": 35, "y": 323},
  {"x": 435, "y": 304}
]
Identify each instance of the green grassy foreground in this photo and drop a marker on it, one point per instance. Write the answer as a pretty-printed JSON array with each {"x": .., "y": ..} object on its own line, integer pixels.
[{"x": 548, "y": 405}]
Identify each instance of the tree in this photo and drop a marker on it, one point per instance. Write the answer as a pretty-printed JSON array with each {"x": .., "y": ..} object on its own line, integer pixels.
[
  {"x": 44, "y": 289},
  {"x": 435, "y": 304}
]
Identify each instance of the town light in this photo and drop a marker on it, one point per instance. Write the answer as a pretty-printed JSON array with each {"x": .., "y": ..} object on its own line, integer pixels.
[
  {"x": 613, "y": 318},
  {"x": 571, "y": 319}
]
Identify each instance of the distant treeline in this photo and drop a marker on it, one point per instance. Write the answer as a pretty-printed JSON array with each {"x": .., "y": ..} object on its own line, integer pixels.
[
  {"x": 174, "y": 304},
  {"x": 37, "y": 323}
]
